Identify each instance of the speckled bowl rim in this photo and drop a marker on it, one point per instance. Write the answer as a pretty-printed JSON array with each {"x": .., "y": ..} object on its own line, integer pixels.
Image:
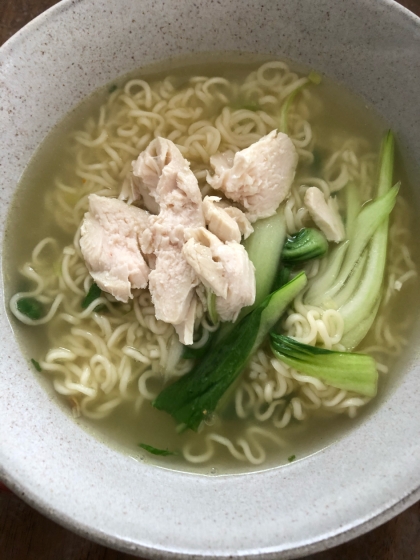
[{"x": 56, "y": 511}]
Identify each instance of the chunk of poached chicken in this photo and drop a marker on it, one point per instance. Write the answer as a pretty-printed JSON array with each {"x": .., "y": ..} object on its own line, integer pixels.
[
  {"x": 165, "y": 176},
  {"x": 109, "y": 242},
  {"x": 227, "y": 222},
  {"x": 142, "y": 183},
  {"x": 224, "y": 268},
  {"x": 258, "y": 177},
  {"x": 325, "y": 214}
]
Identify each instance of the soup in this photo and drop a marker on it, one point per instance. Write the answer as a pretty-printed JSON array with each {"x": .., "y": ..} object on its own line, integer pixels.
[{"x": 118, "y": 368}]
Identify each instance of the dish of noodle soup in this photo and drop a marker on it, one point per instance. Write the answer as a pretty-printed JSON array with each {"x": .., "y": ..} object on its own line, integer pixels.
[{"x": 220, "y": 253}]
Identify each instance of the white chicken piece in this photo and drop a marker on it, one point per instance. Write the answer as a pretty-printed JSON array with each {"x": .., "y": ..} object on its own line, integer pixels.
[
  {"x": 147, "y": 168},
  {"x": 325, "y": 214},
  {"x": 110, "y": 246},
  {"x": 224, "y": 268},
  {"x": 172, "y": 285},
  {"x": 258, "y": 177},
  {"x": 227, "y": 222},
  {"x": 165, "y": 176}
]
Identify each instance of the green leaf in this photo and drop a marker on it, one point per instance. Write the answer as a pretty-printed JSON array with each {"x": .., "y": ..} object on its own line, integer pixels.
[
  {"x": 156, "y": 451},
  {"x": 307, "y": 244},
  {"x": 31, "y": 307},
  {"x": 112, "y": 88},
  {"x": 343, "y": 370},
  {"x": 93, "y": 293},
  {"x": 36, "y": 365},
  {"x": 291, "y": 458}
]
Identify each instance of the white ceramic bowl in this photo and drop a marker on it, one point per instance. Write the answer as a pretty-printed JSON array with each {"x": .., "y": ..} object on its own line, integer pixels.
[{"x": 372, "y": 473}]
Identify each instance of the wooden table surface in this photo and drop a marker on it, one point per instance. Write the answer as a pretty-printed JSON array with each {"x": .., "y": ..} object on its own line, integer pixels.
[{"x": 25, "y": 534}]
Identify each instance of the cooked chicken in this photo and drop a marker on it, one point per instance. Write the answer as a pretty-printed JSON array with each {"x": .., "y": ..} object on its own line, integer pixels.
[
  {"x": 325, "y": 214},
  {"x": 172, "y": 285},
  {"x": 168, "y": 180},
  {"x": 227, "y": 222},
  {"x": 110, "y": 245},
  {"x": 147, "y": 168},
  {"x": 224, "y": 268},
  {"x": 258, "y": 177}
]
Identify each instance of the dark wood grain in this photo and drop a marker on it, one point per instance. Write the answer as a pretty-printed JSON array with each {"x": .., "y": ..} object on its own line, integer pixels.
[{"x": 25, "y": 534}]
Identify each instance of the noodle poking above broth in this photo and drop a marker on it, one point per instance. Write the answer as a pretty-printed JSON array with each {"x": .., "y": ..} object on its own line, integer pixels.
[{"x": 326, "y": 251}]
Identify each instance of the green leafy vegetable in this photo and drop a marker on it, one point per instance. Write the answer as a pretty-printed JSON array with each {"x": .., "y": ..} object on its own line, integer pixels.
[
  {"x": 36, "y": 365},
  {"x": 155, "y": 450},
  {"x": 352, "y": 276},
  {"x": 291, "y": 458},
  {"x": 366, "y": 223},
  {"x": 112, "y": 88},
  {"x": 264, "y": 248},
  {"x": 330, "y": 269},
  {"x": 343, "y": 370},
  {"x": 93, "y": 293},
  {"x": 31, "y": 307},
  {"x": 195, "y": 396},
  {"x": 305, "y": 245}
]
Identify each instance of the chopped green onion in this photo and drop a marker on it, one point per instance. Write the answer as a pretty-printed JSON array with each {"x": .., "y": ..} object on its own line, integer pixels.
[
  {"x": 155, "y": 450},
  {"x": 30, "y": 307},
  {"x": 93, "y": 293},
  {"x": 112, "y": 88},
  {"x": 36, "y": 365},
  {"x": 291, "y": 458}
]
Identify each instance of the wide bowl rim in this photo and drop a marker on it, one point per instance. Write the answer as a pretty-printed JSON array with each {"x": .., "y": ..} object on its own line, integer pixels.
[{"x": 54, "y": 512}]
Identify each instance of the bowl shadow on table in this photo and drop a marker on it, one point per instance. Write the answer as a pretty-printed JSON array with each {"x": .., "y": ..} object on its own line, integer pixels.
[{"x": 25, "y": 534}]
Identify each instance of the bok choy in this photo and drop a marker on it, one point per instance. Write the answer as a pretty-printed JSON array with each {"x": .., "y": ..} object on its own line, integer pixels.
[
  {"x": 305, "y": 245},
  {"x": 343, "y": 370},
  {"x": 352, "y": 279},
  {"x": 195, "y": 396}
]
